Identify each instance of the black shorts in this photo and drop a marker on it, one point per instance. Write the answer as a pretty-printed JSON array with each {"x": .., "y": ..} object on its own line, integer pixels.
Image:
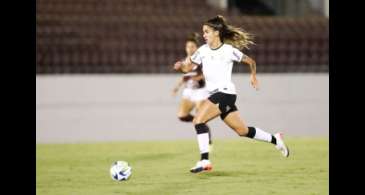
[{"x": 226, "y": 102}]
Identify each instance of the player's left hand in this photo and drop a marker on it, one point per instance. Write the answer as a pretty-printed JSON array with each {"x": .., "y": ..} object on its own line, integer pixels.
[{"x": 254, "y": 82}]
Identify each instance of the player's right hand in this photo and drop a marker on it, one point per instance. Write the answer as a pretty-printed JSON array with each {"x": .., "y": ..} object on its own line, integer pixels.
[{"x": 177, "y": 65}]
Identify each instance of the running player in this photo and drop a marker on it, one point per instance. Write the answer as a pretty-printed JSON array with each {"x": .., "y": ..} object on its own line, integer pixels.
[{"x": 222, "y": 48}]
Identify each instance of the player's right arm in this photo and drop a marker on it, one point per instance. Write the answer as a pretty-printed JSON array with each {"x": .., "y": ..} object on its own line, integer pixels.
[
  {"x": 190, "y": 63},
  {"x": 184, "y": 66}
]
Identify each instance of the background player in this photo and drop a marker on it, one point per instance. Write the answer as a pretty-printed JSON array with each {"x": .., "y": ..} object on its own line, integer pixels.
[{"x": 194, "y": 91}]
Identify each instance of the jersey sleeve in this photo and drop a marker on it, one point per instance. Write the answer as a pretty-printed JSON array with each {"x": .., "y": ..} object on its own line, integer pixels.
[
  {"x": 237, "y": 55},
  {"x": 196, "y": 58}
]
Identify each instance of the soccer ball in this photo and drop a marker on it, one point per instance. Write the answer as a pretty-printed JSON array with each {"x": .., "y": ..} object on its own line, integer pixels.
[{"x": 120, "y": 171}]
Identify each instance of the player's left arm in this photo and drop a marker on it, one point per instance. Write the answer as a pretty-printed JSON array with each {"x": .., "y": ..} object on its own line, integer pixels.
[{"x": 249, "y": 61}]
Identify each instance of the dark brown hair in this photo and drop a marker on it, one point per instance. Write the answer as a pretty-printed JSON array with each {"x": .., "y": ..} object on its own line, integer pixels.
[
  {"x": 237, "y": 37},
  {"x": 193, "y": 37}
]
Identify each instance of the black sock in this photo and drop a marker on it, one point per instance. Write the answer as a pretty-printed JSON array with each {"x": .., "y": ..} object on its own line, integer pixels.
[
  {"x": 251, "y": 132},
  {"x": 202, "y": 131},
  {"x": 187, "y": 118},
  {"x": 204, "y": 156},
  {"x": 273, "y": 139}
]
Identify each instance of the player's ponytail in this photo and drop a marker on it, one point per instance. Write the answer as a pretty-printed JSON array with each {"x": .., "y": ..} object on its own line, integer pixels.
[{"x": 229, "y": 34}]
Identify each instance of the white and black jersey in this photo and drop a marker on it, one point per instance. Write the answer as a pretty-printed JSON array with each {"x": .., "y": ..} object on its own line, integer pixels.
[{"x": 217, "y": 66}]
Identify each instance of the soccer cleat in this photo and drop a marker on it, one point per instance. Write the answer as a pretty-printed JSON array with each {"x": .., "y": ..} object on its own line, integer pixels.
[
  {"x": 203, "y": 165},
  {"x": 280, "y": 145}
]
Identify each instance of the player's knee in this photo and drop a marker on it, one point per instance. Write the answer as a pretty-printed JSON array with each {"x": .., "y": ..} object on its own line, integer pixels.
[{"x": 197, "y": 120}]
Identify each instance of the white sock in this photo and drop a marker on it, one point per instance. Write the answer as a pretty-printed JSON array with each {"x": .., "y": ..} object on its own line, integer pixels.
[
  {"x": 262, "y": 135},
  {"x": 203, "y": 141}
]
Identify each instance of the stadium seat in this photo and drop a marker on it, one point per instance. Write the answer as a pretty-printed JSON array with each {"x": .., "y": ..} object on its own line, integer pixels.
[{"x": 131, "y": 36}]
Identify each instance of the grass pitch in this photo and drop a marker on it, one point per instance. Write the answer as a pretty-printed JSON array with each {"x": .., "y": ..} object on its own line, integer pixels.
[{"x": 240, "y": 166}]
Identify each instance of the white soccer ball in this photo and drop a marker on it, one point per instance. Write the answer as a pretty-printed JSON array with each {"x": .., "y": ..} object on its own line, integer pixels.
[{"x": 120, "y": 171}]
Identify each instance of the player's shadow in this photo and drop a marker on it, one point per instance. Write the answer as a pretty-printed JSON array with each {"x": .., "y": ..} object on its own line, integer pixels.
[{"x": 222, "y": 174}]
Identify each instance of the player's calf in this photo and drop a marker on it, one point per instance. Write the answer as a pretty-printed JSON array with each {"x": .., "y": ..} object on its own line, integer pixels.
[{"x": 259, "y": 134}]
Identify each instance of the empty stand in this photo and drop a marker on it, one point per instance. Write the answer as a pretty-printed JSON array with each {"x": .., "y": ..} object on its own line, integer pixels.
[{"x": 129, "y": 36}]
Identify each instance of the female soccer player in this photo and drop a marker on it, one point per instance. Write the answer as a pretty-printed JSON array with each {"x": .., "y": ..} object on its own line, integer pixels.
[
  {"x": 194, "y": 92},
  {"x": 222, "y": 48}
]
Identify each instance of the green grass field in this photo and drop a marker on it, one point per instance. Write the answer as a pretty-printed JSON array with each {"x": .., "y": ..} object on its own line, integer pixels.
[{"x": 240, "y": 166}]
